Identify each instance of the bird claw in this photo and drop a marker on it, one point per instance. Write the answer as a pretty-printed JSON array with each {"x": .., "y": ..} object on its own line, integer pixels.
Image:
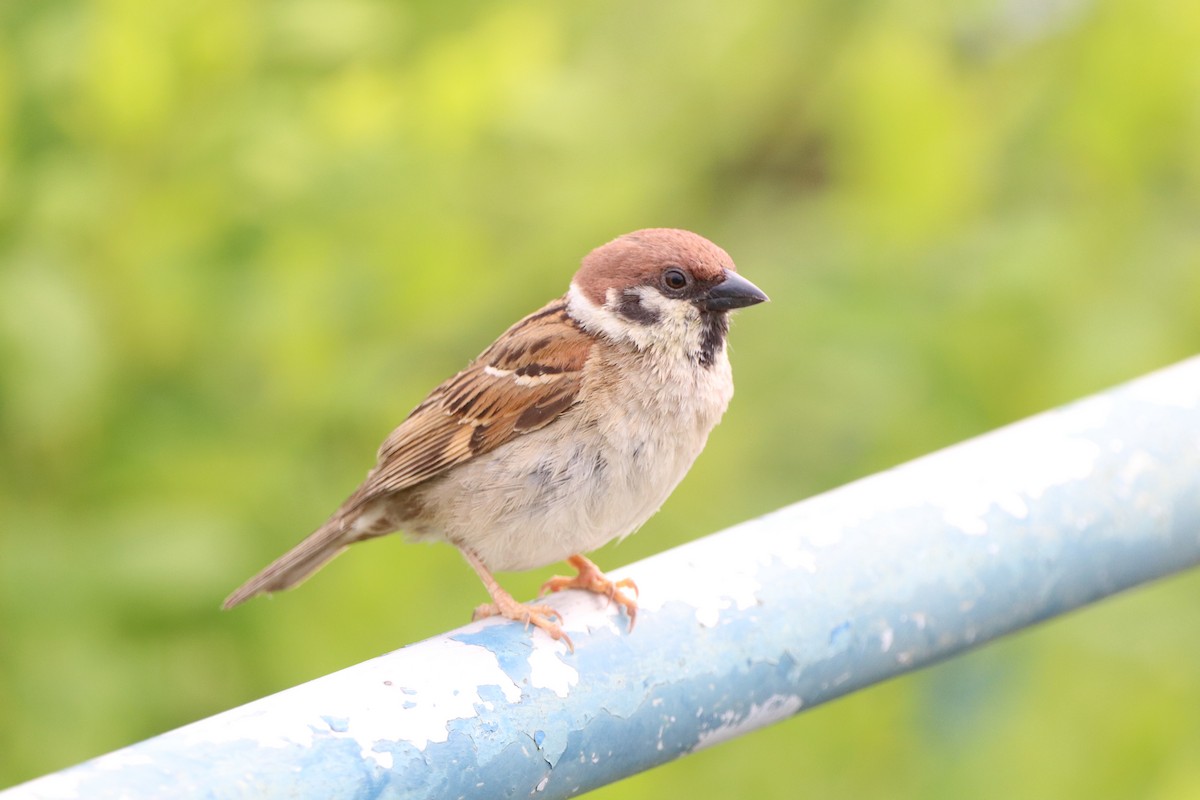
[
  {"x": 539, "y": 616},
  {"x": 591, "y": 579}
]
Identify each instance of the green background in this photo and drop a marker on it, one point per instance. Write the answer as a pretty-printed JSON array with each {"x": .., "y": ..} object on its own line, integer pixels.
[{"x": 239, "y": 241}]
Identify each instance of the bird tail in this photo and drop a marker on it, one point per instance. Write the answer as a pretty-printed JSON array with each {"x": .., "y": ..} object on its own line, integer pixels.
[{"x": 296, "y": 564}]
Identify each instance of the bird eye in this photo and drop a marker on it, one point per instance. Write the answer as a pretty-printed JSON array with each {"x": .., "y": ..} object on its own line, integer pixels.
[{"x": 675, "y": 278}]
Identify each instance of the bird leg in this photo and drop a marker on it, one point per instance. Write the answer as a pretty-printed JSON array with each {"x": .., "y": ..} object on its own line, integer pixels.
[
  {"x": 592, "y": 579},
  {"x": 503, "y": 605}
]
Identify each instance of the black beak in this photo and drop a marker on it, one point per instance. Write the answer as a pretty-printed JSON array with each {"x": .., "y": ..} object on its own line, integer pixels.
[{"x": 733, "y": 292}]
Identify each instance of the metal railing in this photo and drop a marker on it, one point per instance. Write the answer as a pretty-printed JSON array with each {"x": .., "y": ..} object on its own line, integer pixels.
[{"x": 736, "y": 630}]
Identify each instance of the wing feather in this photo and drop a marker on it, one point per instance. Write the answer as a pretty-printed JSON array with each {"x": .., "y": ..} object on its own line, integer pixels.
[{"x": 523, "y": 382}]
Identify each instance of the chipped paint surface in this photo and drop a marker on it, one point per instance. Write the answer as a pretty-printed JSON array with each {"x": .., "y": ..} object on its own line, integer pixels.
[
  {"x": 775, "y": 708},
  {"x": 409, "y": 697},
  {"x": 709, "y": 586},
  {"x": 736, "y": 631},
  {"x": 548, "y": 669}
]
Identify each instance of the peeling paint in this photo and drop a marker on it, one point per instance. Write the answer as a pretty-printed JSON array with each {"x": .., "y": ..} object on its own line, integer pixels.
[
  {"x": 777, "y": 707},
  {"x": 707, "y": 586},
  {"x": 548, "y": 668},
  {"x": 371, "y": 702}
]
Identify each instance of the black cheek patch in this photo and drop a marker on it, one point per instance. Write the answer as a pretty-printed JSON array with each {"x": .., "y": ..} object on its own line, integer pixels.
[{"x": 630, "y": 306}]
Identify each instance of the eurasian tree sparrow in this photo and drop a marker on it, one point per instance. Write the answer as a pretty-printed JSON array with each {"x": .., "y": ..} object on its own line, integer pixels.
[{"x": 569, "y": 431}]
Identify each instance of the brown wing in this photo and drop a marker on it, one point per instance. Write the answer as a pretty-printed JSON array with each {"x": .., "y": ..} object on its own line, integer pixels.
[{"x": 523, "y": 382}]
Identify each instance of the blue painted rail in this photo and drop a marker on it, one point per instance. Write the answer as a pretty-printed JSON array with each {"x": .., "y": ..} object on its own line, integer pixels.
[{"x": 737, "y": 630}]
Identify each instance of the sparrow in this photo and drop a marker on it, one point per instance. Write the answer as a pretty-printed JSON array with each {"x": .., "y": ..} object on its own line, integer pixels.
[{"x": 569, "y": 431}]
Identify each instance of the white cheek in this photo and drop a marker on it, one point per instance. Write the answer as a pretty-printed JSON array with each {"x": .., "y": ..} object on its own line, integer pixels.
[
  {"x": 593, "y": 317},
  {"x": 677, "y": 330},
  {"x": 678, "y": 320}
]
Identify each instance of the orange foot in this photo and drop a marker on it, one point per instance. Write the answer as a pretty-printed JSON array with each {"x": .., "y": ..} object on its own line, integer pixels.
[
  {"x": 592, "y": 579},
  {"x": 536, "y": 615},
  {"x": 503, "y": 605}
]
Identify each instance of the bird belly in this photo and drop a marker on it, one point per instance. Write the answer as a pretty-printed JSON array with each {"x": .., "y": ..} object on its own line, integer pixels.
[
  {"x": 531, "y": 502},
  {"x": 573, "y": 486}
]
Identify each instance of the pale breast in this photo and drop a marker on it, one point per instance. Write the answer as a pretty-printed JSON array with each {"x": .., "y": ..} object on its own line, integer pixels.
[{"x": 596, "y": 474}]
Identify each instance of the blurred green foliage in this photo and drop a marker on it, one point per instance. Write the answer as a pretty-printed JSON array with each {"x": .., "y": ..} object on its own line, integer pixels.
[{"x": 230, "y": 234}]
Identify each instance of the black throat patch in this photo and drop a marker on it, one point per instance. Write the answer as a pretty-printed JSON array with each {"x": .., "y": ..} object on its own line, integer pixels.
[{"x": 716, "y": 326}]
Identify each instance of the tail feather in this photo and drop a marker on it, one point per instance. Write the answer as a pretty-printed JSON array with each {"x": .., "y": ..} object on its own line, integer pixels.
[{"x": 295, "y": 565}]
